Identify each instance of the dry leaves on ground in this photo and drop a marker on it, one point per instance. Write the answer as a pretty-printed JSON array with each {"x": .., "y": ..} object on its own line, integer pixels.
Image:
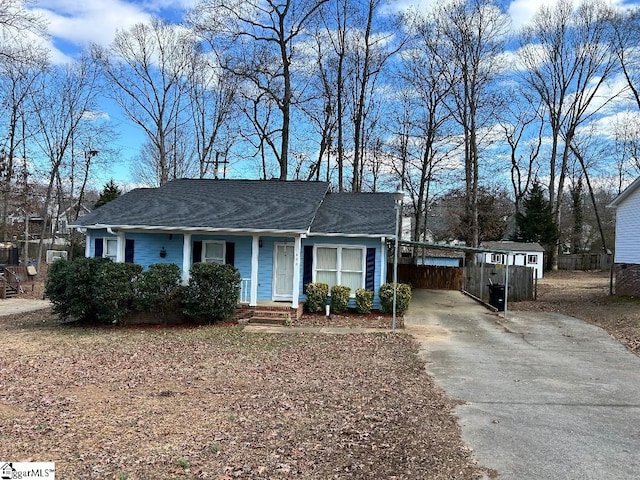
[{"x": 211, "y": 402}]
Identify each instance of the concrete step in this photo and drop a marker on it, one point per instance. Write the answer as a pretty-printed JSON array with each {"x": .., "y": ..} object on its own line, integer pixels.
[{"x": 266, "y": 320}]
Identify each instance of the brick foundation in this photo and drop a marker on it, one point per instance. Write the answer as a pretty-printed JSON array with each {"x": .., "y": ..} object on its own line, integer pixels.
[{"x": 628, "y": 279}]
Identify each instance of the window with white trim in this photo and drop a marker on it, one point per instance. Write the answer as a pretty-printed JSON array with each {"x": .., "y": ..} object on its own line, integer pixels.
[
  {"x": 213, "y": 252},
  {"x": 340, "y": 265},
  {"x": 532, "y": 259},
  {"x": 110, "y": 249},
  {"x": 496, "y": 258}
]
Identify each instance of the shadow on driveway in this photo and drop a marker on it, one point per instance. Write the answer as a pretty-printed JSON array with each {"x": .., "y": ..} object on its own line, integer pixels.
[{"x": 546, "y": 396}]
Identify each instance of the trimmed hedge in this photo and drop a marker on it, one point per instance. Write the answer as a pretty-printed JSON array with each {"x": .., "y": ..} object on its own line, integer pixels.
[
  {"x": 92, "y": 289},
  {"x": 364, "y": 301},
  {"x": 317, "y": 294},
  {"x": 340, "y": 298},
  {"x": 403, "y": 297},
  {"x": 157, "y": 288},
  {"x": 212, "y": 293}
]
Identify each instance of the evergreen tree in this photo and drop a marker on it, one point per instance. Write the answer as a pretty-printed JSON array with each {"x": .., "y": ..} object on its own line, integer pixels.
[
  {"x": 534, "y": 223},
  {"x": 110, "y": 192}
]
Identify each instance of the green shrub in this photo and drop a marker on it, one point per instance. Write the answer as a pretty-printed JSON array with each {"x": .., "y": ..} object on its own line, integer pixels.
[
  {"x": 70, "y": 286},
  {"x": 317, "y": 294},
  {"x": 156, "y": 288},
  {"x": 340, "y": 298},
  {"x": 403, "y": 297},
  {"x": 114, "y": 290},
  {"x": 93, "y": 289},
  {"x": 364, "y": 300},
  {"x": 212, "y": 293}
]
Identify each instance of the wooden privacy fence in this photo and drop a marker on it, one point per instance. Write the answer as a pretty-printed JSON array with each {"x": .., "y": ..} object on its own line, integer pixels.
[
  {"x": 431, "y": 277},
  {"x": 522, "y": 281},
  {"x": 586, "y": 261}
]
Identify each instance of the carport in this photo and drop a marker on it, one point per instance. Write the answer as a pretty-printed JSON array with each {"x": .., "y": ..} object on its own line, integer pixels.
[{"x": 465, "y": 249}]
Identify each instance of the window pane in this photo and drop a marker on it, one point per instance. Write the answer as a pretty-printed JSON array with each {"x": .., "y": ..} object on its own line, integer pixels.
[
  {"x": 112, "y": 248},
  {"x": 327, "y": 277},
  {"x": 214, "y": 252},
  {"x": 327, "y": 258},
  {"x": 351, "y": 259},
  {"x": 352, "y": 280}
]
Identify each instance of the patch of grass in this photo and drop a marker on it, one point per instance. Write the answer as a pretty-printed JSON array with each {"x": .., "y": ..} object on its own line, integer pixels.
[{"x": 183, "y": 462}]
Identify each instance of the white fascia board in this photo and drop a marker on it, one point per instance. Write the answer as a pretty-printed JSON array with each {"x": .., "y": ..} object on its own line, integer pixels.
[
  {"x": 349, "y": 235},
  {"x": 196, "y": 230}
]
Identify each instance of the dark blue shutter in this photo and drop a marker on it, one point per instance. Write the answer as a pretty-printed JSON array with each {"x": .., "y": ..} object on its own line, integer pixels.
[
  {"x": 370, "y": 276},
  {"x": 307, "y": 268},
  {"x": 196, "y": 252},
  {"x": 230, "y": 253},
  {"x": 128, "y": 251},
  {"x": 99, "y": 247}
]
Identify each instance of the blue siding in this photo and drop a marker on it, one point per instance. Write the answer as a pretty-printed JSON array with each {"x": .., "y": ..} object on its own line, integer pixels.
[
  {"x": 361, "y": 242},
  {"x": 242, "y": 259},
  {"x": 439, "y": 261},
  {"x": 147, "y": 246},
  {"x": 97, "y": 234}
]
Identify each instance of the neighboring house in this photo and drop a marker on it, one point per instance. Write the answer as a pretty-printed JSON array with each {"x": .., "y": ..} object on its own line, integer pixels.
[
  {"x": 627, "y": 253},
  {"x": 60, "y": 221},
  {"x": 280, "y": 235},
  {"x": 440, "y": 258},
  {"x": 524, "y": 254}
]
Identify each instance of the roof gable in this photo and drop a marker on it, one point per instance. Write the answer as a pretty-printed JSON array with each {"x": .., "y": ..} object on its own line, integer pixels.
[
  {"x": 626, "y": 193},
  {"x": 356, "y": 214},
  {"x": 514, "y": 246},
  {"x": 208, "y": 204}
]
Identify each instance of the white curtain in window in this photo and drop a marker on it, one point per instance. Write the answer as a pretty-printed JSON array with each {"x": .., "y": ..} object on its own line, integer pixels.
[
  {"x": 214, "y": 252},
  {"x": 351, "y": 269},
  {"x": 327, "y": 259},
  {"x": 327, "y": 266}
]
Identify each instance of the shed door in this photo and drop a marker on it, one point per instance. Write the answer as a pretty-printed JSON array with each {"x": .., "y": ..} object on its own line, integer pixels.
[{"x": 283, "y": 271}]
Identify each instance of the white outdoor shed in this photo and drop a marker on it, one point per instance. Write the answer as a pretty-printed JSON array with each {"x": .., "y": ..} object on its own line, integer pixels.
[
  {"x": 524, "y": 254},
  {"x": 627, "y": 253}
]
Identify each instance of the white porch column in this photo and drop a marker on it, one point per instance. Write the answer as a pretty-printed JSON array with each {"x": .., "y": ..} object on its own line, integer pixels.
[
  {"x": 87, "y": 244},
  {"x": 186, "y": 257},
  {"x": 295, "y": 296},
  {"x": 120, "y": 245},
  {"x": 255, "y": 255},
  {"x": 383, "y": 261}
]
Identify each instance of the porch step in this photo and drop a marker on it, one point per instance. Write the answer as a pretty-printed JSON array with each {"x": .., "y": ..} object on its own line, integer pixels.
[{"x": 267, "y": 321}]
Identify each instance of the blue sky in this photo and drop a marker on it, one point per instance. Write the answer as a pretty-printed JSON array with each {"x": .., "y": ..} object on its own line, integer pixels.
[{"x": 75, "y": 24}]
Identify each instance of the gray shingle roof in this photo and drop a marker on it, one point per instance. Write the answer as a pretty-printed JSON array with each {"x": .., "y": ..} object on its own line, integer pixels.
[
  {"x": 356, "y": 214},
  {"x": 215, "y": 205},
  {"x": 514, "y": 246}
]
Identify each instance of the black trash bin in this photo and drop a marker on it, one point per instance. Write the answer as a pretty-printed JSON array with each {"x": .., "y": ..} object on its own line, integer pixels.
[{"x": 496, "y": 296}]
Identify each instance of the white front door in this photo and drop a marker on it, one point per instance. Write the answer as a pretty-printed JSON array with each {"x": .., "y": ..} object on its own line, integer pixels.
[{"x": 283, "y": 260}]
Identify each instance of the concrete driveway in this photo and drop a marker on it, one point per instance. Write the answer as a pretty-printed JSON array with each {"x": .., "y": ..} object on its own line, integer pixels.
[{"x": 545, "y": 396}]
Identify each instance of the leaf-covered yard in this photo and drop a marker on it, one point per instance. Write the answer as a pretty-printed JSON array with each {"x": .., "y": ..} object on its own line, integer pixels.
[{"x": 212, "y": 402}]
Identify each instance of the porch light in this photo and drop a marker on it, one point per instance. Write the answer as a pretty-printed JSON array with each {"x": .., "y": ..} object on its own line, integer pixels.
[{"x": 163, "y": 252}]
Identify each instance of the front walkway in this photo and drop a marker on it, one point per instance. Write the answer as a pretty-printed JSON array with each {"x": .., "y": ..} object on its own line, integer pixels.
[
  {"x": 545, "y": 396},
  {"x": 326, "y": 330}
]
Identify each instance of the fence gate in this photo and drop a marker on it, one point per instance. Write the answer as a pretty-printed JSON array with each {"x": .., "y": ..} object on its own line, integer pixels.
[{"x": 522, "y": 281}]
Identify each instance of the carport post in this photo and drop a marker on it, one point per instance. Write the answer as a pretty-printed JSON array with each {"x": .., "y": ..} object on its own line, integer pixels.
[{"x": 506, "y": 288}]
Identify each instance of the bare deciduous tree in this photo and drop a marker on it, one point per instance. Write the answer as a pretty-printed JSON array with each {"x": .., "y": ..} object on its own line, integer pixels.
[
  {"x": 567, "y": 57},
  {"x": 146, "y": 68}
]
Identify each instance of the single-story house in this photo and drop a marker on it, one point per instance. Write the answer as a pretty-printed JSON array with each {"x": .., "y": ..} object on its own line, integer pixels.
[
  {"x": 280, "y": 235},
  {"x": 524, "y": 254},
  {"x": 627, "y": 254}
]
